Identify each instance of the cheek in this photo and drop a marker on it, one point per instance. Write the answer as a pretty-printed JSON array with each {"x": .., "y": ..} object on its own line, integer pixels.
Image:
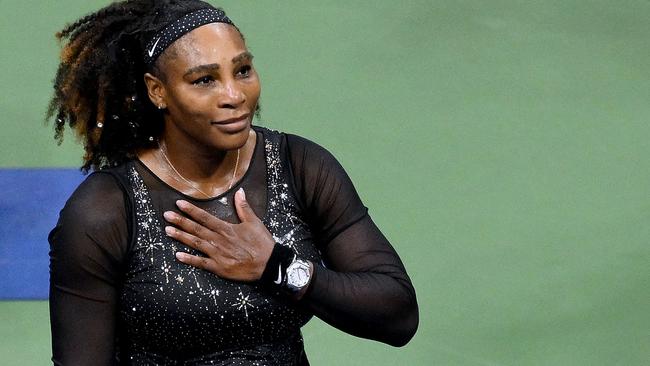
[
  {"x": 194, "y": 105},
  {"x": 253, "y": 91}
]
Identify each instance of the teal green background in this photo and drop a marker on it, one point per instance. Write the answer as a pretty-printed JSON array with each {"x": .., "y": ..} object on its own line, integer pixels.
[{"x": 500, "y": 145}]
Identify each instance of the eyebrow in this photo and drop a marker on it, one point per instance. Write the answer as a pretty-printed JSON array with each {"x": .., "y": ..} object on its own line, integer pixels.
[
  {"x": 242, "y": 56},
  {"x": 214, "y": 67},
  {"x": 201, "y": 69}
]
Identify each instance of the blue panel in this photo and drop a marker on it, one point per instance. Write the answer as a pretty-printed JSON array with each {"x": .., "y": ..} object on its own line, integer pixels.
[{"x": 29, "y": 208}]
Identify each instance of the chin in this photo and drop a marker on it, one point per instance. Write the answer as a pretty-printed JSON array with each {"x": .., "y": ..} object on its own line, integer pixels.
[{"x": 233, "y": 140}]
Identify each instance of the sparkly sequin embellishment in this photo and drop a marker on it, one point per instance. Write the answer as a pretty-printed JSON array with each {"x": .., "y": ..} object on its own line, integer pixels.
[
  {"x": 170, "y": 310},
  {"x": 178, "y": 28}
]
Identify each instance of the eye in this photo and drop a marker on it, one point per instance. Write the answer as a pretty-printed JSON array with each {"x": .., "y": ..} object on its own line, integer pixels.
[
  {"x": 244, "y": 71},
  {"x": 203, "y": 80}
]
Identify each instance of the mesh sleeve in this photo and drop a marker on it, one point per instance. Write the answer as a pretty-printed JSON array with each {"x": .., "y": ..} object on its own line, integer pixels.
[
  {"x": 365, "y": 289},
  {"x": 87, "y": 247}
]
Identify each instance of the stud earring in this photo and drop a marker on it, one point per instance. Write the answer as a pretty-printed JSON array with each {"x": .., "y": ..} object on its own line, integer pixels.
[{"x": 100, "y": 125}]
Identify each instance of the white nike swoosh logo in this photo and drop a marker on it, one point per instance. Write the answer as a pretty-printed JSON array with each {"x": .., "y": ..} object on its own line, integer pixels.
[
  {"x": 153, "y": 47},
  {"x": 279, "y": 280}
]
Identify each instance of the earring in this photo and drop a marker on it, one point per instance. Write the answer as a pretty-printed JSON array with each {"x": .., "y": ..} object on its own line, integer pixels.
[{"x": 100, "y": 125}]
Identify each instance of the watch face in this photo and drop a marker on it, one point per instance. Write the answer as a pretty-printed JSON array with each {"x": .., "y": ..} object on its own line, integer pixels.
[{"x": 298, "y": 275}]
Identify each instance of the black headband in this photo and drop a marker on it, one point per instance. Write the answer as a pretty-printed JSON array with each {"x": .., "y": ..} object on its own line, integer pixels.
[{"x": 178, "y": 28}]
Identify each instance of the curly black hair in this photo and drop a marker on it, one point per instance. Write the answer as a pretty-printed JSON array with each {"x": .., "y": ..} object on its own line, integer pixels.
[{"x": 99, "y": 90}]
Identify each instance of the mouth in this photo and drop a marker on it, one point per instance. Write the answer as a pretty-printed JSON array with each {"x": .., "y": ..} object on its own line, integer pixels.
[
  {"x": 234, "y": 124},
  {"x": 232, "y": 120}
]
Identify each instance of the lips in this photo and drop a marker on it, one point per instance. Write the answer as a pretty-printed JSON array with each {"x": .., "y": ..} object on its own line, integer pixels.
[{"x": 233, "y": 125}]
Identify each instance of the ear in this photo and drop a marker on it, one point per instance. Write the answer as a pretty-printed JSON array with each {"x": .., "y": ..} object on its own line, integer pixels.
[{"x": 156, "y": 90}]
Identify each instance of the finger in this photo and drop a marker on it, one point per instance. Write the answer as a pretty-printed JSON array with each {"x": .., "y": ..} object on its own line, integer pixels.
[
  {"x": 192, "y": 241},
  {"x": 201, "y": 216},
  {"x": 190, "y": 226},
  {"x": 198, "y": 262},
  {"x": 186, "y": 224},
  {"x": 244, "y": 210}
]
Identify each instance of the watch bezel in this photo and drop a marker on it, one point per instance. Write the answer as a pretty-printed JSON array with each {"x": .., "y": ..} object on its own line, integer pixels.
[{"x": 297, "y": 265}]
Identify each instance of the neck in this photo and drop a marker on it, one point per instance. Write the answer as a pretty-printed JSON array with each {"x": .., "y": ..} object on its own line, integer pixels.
[
  {"x": 198, "y": 165},
  {"x": 209, "y": 171}
]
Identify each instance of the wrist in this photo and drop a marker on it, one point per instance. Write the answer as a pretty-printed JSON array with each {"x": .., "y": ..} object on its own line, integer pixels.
[
  {"x": 285, "y": 272},
  {"x": 274, "y": 274}
]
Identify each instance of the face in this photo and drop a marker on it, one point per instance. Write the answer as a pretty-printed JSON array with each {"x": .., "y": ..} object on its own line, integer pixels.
[{"x": 209, "y": 89}]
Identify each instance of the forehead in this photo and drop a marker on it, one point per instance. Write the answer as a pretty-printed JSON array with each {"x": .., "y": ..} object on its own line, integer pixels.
[{"x": 207, "y": 44}]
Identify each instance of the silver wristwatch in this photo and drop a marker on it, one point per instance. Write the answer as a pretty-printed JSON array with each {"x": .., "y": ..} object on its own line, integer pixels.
[{"x": 297, "y": 275}]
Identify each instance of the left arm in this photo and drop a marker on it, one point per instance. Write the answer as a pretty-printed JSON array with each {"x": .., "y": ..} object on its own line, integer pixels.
[{"x": 365, "y": 290}]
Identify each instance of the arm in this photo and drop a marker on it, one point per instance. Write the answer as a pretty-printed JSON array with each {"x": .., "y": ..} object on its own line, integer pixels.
[
  {"x": 86, "y": 250},
  {"x": 365, "y": 290}
]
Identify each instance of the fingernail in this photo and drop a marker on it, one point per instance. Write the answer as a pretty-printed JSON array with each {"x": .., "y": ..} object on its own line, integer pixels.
[
  {"x": 168, "y": 215},
  {"x": 241, "y": 191},
  {"x": 181, "y": 256},
  {"x": 169, "y": 230},
  {"x": 181, "y": 203}
]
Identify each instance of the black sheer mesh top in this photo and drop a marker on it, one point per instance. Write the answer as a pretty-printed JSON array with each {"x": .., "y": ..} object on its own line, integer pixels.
[{"x": 119, "y": 296}]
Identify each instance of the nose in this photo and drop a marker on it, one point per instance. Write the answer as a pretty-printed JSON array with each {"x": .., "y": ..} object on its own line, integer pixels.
[{"x": 232, "y": 96}]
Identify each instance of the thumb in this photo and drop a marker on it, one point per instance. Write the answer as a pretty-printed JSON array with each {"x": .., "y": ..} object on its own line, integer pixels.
[{"x": 244, "y": 210}]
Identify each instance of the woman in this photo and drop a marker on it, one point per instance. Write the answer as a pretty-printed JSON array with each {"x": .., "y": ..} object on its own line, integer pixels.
[{"x": 199, "y": 238}]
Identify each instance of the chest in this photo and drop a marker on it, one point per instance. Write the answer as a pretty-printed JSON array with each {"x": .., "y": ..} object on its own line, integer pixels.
[{"x": 168, "y": 307}]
